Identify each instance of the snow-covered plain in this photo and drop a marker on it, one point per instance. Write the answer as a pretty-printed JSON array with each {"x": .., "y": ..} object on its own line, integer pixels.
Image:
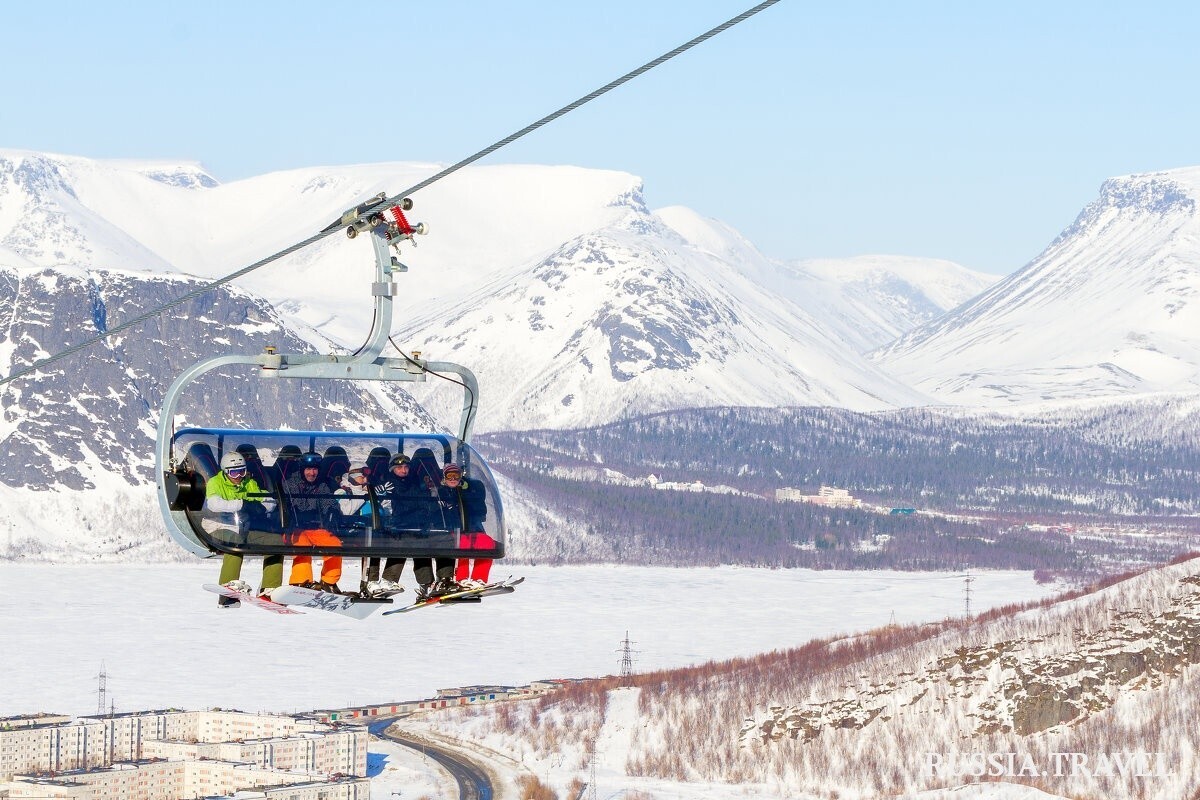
[{"x": 163, "y": 643}]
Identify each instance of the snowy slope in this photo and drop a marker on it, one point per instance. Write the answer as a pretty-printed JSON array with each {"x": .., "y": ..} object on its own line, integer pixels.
[
  {"x": 866, "y": 301},
  {"x": 874, "y": 299},
  {"x": 44, "y": 221},
  {"x": 629, "y": 319},
  {"x": 1110, "y": 308},
  {"x": 1112, "y": 676},
  {"x": 155, "y": 216}
]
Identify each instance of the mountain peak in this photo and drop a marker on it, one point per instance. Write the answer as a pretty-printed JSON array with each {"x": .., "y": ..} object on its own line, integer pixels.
[
  {"x": 1109, "y": 308},
  {"x": 33, "y": 174},
  {"x": 1154, "y": 193}
]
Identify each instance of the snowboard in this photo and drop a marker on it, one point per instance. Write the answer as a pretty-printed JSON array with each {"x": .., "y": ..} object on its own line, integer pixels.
[
  {"x": 252, "y": 599},
  {"x": 346, "y": 605},
  {"x": 465, "y": 596}
]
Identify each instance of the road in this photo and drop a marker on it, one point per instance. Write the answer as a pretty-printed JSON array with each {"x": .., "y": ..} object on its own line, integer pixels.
[{"x": 473, "y": 781}]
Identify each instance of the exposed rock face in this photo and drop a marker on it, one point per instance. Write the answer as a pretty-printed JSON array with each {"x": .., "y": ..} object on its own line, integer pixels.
[{"x": 99, "y": 407}]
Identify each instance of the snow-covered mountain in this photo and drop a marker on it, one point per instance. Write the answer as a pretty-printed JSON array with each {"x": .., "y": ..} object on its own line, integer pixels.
[
  {"x": 1110, "y": 308},
  {"x": 573, "y": 302},
  {"x": 163, "y": 217},
  {"x": 631, "y": 319},
  {"x": 867, "y": 301},
  {"x": 875, "y": 299}
]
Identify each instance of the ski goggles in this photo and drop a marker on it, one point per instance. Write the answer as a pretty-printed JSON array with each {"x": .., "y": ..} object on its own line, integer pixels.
[{"x": 235, "y": 472}]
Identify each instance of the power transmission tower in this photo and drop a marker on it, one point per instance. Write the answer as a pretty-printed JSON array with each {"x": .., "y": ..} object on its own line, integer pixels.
[
  {"x": 627, "y": 652},
  {"x": 103, "y": 691},
  {"x": 967, "y": 581},
  {"x": 591, "y": 790}
]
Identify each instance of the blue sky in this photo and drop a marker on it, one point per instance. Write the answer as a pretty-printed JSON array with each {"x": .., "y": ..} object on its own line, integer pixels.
[{"x": 967, "y": 131}]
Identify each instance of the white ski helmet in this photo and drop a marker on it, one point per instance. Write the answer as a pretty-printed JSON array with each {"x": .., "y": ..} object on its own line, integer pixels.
[{"x": 233, "y": 461}]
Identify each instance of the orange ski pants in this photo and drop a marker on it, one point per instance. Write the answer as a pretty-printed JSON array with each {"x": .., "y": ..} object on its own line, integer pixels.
[{"x": 331, "y": 566}]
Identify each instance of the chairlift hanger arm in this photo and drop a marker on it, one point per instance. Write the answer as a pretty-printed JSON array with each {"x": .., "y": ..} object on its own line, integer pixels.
[{"x": 386, "y": 232}]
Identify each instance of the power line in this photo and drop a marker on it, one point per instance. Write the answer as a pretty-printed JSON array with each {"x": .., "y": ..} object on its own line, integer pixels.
[
  {"x": 205, "y": 289},
  {"x": 587, "y": 98}
]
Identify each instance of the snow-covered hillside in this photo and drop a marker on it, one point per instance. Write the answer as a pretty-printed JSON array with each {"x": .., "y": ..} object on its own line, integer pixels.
[
  {"x": 1092, "y": 696},
  {"x": 874, "y": 299},
  {"x": 867, "y": 301},
  {"x": 175, "y": 651},
  {"x": 1110, "y": 308}
]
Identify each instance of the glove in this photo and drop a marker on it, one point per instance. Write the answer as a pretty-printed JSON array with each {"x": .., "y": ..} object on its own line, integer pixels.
[
  {"x": 269, "y": 505},
  {"x": 387, "y": 487}
]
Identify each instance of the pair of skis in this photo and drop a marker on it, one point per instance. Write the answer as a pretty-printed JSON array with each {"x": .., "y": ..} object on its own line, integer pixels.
[
  {"x": 465, "y": 595},
  {"x": 288, "y": 599}
]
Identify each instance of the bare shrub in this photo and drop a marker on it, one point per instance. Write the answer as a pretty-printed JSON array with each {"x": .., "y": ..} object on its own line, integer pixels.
[{"x": 532, "y": 788}]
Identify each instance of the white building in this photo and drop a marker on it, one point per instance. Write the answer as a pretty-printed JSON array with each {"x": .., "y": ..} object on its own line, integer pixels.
[
  {"x": 175, "y": 779},
  {"x": 826, "y": 496},
  {"x": 30, "y": 720},
  {"x": 158, "y": 755}
]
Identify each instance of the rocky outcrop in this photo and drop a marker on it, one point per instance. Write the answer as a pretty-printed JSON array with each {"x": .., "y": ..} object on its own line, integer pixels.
[{"x": 98, "y": 409}]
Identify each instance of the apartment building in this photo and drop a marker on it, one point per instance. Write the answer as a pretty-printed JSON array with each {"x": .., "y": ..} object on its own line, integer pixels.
[
  {"x": 30, "y": 720},
  {"x": 177, "y": 779},
  {"x": 156, "y": 755}
]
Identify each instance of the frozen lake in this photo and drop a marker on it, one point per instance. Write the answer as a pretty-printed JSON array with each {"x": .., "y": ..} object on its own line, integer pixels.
[{"x": 163, "y": 643}]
